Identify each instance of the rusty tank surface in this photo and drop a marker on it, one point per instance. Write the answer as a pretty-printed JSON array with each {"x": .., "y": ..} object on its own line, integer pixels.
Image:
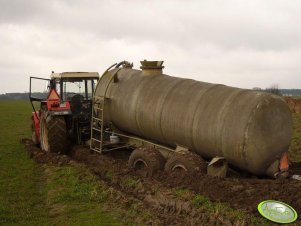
[{"x": 250, "y": 129}]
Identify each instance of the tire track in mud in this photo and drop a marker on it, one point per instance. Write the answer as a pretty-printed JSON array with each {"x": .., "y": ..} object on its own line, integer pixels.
[
  {"x": 156, "y": 192},
  {"x": 159, "y": 199}
]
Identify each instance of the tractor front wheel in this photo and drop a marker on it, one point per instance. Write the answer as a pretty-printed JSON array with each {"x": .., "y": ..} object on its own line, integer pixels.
[{"x": 54, "y": 137}]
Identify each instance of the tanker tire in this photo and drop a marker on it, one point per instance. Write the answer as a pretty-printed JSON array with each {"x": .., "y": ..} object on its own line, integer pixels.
[
  {"x": 188, "y": 163},
  {"x": 148, "y": 160},
  {"x": 54, "y": 137}
]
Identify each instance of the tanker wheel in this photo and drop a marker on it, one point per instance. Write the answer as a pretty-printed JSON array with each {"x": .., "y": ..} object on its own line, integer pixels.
[
  {"x": 53, "y": 133},
  {"x": 146, "y": 161},
  {"x": 185, "y": 163}
]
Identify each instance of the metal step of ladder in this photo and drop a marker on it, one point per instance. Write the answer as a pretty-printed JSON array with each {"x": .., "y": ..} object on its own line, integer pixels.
[{"x": 97, "y": 127}]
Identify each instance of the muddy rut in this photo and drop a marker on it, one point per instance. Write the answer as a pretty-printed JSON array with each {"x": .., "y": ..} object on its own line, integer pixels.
[{"x": 156, "y": 192}]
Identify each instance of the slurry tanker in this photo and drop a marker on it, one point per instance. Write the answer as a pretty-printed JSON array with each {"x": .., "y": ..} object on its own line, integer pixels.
[{"x": 169, "y": 123}]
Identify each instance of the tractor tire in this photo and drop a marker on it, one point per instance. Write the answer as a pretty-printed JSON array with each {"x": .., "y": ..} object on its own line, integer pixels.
[
  {"x": 54, "y": 136},
  {"x": 186, "y": 163},
  {"x": 146, "y": 160}
]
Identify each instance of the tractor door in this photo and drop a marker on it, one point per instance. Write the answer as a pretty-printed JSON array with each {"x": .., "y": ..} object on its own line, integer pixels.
[{"x": 38, "y": 91}]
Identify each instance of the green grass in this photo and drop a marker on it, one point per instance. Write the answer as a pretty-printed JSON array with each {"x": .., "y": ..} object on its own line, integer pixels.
[
  {"x": 223, "y": 209},
  {"x": 74, "y": 196},
  {"x": 182, "y": 193},
  {"x": 34, "y": 195},
  {"x": 130, "y": 182},
  {"x": 22, "y": 193}
]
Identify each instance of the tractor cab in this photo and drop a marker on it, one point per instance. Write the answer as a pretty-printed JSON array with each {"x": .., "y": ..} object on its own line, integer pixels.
[
  {"x": 64, "y": 108},
  {"x": 75, "y": 88},
  {"x": 70, "y": 84}
]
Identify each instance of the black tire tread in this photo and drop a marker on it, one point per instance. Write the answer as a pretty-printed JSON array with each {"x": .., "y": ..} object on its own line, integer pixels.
[
  {"x": 151, "y": 156},
  {"x": 57, "y": 133},
  {"x": 191, "y": 161}
]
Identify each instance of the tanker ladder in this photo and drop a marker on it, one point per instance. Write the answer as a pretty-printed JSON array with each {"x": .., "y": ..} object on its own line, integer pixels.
[
  {"x": 97, "y": 122},
  {"x": 97, "y": 127},
  {"x": 97, "y": 142}
]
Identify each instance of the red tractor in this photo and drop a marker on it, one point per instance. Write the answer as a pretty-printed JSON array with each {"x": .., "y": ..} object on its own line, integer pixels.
[{"x": 64, "y": 113}]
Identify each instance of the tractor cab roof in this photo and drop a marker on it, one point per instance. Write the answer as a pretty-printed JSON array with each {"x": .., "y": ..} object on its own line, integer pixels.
[{"x": 75, "y": 75}]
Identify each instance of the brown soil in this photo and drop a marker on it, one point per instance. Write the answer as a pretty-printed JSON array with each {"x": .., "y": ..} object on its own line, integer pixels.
[
  {"x": 155, "y": 192},
  {"x": 294, "y": 104}
]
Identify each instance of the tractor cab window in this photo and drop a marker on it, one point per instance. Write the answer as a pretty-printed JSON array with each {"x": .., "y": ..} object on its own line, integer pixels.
[
  {"x": 90, "y": 87},
  {"x": 72, "y": 88},
  {"x": 58, "y": 86},
  {"x": 77, "y": 88}
]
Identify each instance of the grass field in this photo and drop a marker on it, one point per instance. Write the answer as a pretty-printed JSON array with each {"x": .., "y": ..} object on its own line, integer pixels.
[{"x": 32, "y": 194}]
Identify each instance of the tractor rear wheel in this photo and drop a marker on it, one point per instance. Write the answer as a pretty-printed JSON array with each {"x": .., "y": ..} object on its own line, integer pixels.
[
  {"x": 185, "y": 163},
  {"x": 146, "y": 160},
  {"x": 53, "y": 133}
]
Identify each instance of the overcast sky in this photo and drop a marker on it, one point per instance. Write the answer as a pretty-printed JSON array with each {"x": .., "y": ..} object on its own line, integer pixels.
[{"x": 252, "y": 43}]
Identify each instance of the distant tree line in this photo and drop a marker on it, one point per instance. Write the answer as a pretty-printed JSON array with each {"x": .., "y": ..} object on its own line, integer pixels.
[
  {"x": 274, "y": 89},
  {"x": 20, "y": 96},
  {"x": 14, "y": 96},
  {"x": 291, "y": 92}
]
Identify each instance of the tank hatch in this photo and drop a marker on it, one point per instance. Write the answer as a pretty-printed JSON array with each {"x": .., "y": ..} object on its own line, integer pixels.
[{"x": 151, "y": 67}]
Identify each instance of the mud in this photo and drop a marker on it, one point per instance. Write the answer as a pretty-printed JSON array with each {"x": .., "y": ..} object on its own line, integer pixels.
[
  {"x": 294, "y": 104},
  {"x": 243, "y": 193},
  {"x": 156, "y": 192}
]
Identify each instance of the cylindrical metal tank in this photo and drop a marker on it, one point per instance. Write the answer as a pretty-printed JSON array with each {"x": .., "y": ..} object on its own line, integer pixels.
[{"x": 250, "y": 129}]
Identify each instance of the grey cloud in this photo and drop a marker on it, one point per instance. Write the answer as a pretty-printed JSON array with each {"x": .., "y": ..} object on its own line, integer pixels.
[
  {"x": 20, "y": 11},
  {"x": 239, "y": 43}
]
